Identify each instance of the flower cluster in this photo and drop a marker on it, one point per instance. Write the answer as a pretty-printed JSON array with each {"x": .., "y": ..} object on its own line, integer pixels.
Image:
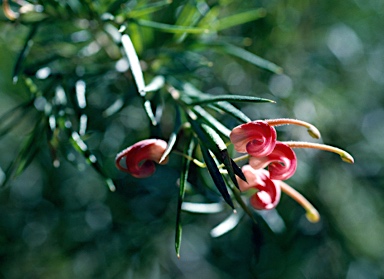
[
  {"x": 270, "y": 162},
  {"x": 258, "y": 139}
]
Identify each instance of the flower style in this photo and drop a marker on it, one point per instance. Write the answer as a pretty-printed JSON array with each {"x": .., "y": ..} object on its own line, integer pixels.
[
  {"x": 268, "y": 194},
  {"x": 138, "y": 159},
  {"x": 256, "y": 138}
]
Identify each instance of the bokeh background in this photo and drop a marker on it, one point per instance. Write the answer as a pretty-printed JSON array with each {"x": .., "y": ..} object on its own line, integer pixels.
[{"x": 64, "y": 222}]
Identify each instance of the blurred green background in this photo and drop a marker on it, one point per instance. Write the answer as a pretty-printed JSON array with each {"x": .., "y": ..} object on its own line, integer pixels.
[{"x": 64, "y": 222}]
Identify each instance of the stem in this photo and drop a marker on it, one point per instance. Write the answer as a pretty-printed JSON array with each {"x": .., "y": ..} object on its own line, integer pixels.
[
  {"x": 345, "y": 156},
  {"x": 195, "y": 161},
  {"x": 312, "y": 130},
  {"x": 312, "y": 214}
]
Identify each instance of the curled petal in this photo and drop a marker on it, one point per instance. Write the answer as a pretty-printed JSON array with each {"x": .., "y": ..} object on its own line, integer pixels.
[
  {"x": 281, "y": 162},
  {"x": 269, "y": 192},
  {"x": 257, "y": 138},
  {"x": 138, "y": 159}
]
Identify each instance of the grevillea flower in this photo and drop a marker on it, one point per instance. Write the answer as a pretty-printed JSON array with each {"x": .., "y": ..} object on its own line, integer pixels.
[
  {"x": 268, "y": 192},
  {"x": 281, "y": 162},
  {"x": 138, "y": 159},
  {"x": 256, "y": 138}
]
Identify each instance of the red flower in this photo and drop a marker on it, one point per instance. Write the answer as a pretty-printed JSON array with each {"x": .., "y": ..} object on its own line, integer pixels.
[
  {"x": 268, "y": 194},
  {"x": 281, "y": 162},
  {"x": 138, "y": 159},
  {"x": 257, "y": 138}
]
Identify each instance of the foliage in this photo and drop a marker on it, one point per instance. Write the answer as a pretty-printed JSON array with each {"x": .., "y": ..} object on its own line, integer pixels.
[{"x": 96, "y": 76}]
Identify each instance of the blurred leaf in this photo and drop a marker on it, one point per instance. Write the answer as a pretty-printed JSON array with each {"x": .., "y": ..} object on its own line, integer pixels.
[
  {"x": 82, "y": 148},
  {"x": 188, "y": 150},
  {"x": 232, "y": 110},
  {"x": 29, "y": 149},
  {"x": 211, "y": 121},
  {"x": 149, "y": 112},
  {"x": 190, "y": 15},
  {"x": 13, "y": 117},
  {"x": 134, "y": 64},
  {"x": 216, "y": 175},
  {"x": 251, "y": 58},
  {"x": 171, "y": 28},
  {"x": 205, "y": 208},
  {"x": 24, "y": 52},
  {"x": 237, "y": 19},
  {"x": 148, "y": 8},
  {"x": 227, "y": 225},
  {"x": 206, "y": 99},
  {"x": 173, "y": 136}
]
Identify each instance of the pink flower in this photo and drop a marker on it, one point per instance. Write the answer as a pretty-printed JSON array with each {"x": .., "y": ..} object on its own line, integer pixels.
[
  {"x": 268, "y": 194},
  {"x": 138, "y": 159},
  {"x": 257, "y": 138},
  {"x": 281, "y": 162}
]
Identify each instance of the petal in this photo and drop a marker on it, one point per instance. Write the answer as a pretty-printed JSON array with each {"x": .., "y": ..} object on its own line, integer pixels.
[
  {"x": 269, "y": 192},
  {"x": 256, "y": 138},
  {"x": 281, "y": 162},
  {"x": 138, "y": 159}
]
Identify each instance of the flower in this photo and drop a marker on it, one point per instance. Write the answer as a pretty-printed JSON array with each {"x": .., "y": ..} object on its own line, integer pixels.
[
  {"x": 269, "y": 192},
  {"x": 281, "y": 162},
  {"x": 138, "y": 159},
  {"x": 256, "y": 138}
]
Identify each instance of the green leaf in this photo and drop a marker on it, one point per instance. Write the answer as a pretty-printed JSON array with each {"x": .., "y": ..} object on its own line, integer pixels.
[
  {"x": 183, "y": 181},
  {"x": 13, "y": 117},
  {"x": 216, "y": 175},
  {"x": 229, "y": 98},
  {"x": 237, "y": 19},
  {"x": 211, "y": 121},
  {"x": 233, "y": 111},
  {"x": 190, "y": 15},
  {"x": 171, "y": 28},
  {"x": 148, "y": 9},
  {"x": 251, "y": 58},
  {"x": 30, "y": 147},
  {"x": 82, "y": 148},
  {"x": 173, "y": 136},
  {"x": 134, "y": 63},
  {"x": 24, "y": 52}
]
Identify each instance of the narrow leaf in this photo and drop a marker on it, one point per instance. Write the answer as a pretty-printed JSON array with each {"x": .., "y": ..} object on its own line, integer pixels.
[
  {"x": 188, "y": 150},
  {"x": 216, "y": 175},
  {"x": 30, "y": 147},
  {"x": 232, "y": 110},
  {"x": 230, "y": 98},
  {"x": 211, "y": 121},
  {"x": 227, "y": 225},
  {"x": 251, "y": 58},
  {"x": 172, "y": 137},
  {"x": 148, "y": 9},
  {"x": 237, "y": 19},
  {"x": 134, "y": 63},
  {"x": 149, "y": 112},
  {"x": 206, "y": 208},
  {"x": 82, "y": 148},
  {"x": 24, "y": 52},
  {"x": 171, "y": 28}
]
